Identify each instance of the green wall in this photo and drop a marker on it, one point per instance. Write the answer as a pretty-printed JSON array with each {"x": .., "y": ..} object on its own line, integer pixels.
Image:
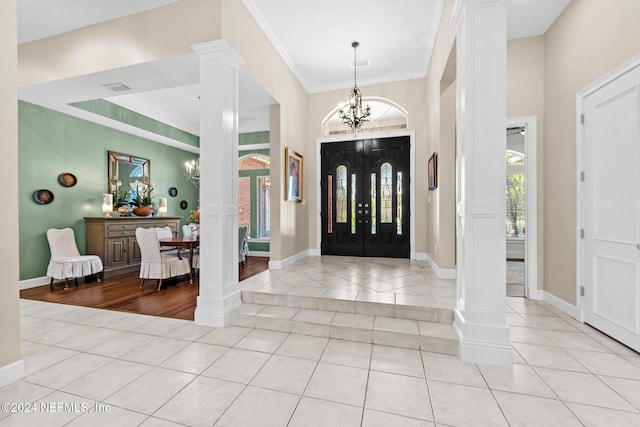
[{"x": 51, "y": 143}]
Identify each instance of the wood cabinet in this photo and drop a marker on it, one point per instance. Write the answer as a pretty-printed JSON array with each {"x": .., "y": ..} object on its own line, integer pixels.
[{"x": 114, "y": 240}]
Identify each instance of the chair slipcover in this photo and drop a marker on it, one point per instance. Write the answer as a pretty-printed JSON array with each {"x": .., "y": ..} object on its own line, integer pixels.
[
  {"x": 164, "y": 233},
  {"x": 66, "y": 261},
  {"x": 243, "y": 244},
  {"x": 157, "y": 265}
]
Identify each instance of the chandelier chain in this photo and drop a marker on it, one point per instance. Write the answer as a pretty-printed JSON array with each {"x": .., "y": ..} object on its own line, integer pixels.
[{"x": 356, "y": 115}]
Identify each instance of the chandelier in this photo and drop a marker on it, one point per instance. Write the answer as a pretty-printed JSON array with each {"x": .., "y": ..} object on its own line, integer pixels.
[
  {"x": 355, "y": 115},
  {"x": 192, "y": 172}
]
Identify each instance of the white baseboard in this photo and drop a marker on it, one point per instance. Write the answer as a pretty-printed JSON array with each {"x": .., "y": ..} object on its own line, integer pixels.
[
  {"x": 484, "y": 344},
  {"x": 34, "y": 283},
  {"x": 278, "y": 265},
  {"x": 259, "y": 253},
  {"x": 442, "y": 273},
  {"x": 420, "y": 256},
  {"x": 11, "y": 372},
  {"x": 562, "y": 305}
]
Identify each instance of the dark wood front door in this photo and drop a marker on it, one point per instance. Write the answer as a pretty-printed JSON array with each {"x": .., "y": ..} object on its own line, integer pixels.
[{"x": 365, "y": 197}]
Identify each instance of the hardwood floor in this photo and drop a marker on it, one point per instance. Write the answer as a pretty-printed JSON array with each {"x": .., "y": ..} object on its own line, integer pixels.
[{"x": 177, "y": 299}]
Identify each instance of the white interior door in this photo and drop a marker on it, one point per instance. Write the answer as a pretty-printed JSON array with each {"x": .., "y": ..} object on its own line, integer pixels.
[{"x": 612, "y": 209}]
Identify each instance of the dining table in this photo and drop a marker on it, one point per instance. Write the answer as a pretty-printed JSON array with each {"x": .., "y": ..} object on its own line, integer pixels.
[{"x": 187, "y": 242}]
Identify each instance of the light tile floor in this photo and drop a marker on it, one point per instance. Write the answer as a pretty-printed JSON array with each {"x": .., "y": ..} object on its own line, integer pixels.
[
  {"x": 385, "y": 280},
  {"x": 89, "y": 367}
]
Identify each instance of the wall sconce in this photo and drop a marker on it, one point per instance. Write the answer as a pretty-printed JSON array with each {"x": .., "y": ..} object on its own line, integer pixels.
[
  {"x": 162, "y": 207},
  {"x": 107, "y": 204}
]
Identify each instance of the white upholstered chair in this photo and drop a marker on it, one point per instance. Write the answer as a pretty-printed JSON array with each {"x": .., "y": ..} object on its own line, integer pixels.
[
  {"x": 243, "y": 245},
  {"x": 66, "y": 261},
  {"x": 155, "y": 264}
]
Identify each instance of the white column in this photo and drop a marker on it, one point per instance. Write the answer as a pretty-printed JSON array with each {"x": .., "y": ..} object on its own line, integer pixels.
[
  {"x": 480, "y": 317},
  {"x": 219, "y": 291}
]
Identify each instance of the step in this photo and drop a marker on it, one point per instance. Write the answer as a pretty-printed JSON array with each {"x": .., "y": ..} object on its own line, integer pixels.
[
  {"x": 367, "y": 328},
  {"x": 362, "y": 303}
]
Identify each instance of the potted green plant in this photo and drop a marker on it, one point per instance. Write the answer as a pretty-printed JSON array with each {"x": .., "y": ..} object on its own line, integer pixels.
[{"x": 142, "y": 198}]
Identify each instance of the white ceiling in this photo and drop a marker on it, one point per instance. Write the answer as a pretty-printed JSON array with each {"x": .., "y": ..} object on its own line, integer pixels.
[{"x": 313, "y": 37}]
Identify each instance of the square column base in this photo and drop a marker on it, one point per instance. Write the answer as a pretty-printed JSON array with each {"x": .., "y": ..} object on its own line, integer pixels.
[{"x": 483, "y": 343}]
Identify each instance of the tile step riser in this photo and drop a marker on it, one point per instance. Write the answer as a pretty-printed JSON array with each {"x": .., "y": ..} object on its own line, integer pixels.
[
  {"x": 425, "y": 314},
  {"x": 388, "y": 338}
]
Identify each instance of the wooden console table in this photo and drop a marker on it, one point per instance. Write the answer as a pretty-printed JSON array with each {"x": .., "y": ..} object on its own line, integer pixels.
[{"x": 114, "y": 240}]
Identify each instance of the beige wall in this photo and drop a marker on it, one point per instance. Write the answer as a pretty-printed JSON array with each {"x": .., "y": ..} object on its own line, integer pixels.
[
  {"x": 170, "y": 31},
  {"x": 588, "y": 40},
  {"x": 289, "y": 237},
  {"x": 441, "y": 202},
  {"x": 525, "y": 97},
  {"x": 9, "y": 293},
  {"x": 406, "y": 94},
  {"x": 163, "y": 32}
]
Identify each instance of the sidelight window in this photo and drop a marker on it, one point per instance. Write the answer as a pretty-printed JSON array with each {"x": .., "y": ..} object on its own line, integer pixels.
[
  {"x": 399, "y": 204},
  {"x": 386, "y": 193},
  {"x": 329, "y": 204},
  {"x": 373, "y": 203},
  {"x": 341, "y": 194},
  {"x": 353, "y": 203}
]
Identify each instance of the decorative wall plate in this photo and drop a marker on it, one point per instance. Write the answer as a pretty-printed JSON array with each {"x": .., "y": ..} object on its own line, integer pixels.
[
  {"x": 43, "y": 197},
  {"x": 183, "y": 205},
  {"x": 173, "y": 191},
  {"x": 67, "y": 179}
]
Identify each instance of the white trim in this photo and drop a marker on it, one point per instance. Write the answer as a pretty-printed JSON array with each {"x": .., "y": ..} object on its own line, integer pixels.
[
  {"x": 614, "y": 74},
  {"x": 207, "y": 311},
  {"x": 530, "y": 124},
  {"x": 493, "y": 349},
  {"x": 11, "y": 372},
  {"x": 259, "y": 253},
  {"x": 421, "y": 256},
  {"x": 251, "y": 147},
  {"x": 34, "y": 283},
  {"x": 156, "y": 113},
  {"x": 412, "y": 185},
  {"x": 278, "y": 265},
  {"x": 441, "y": 273},
  {"x": 562, "y": 305}
]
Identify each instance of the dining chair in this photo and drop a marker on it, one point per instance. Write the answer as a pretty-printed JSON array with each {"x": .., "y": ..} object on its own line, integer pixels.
[
  {"x": 66, "y": 261},
  {"x": 243, "y": 245},
  {"x": 166, "y": 233},
  {"x": 155, "y": 264}
]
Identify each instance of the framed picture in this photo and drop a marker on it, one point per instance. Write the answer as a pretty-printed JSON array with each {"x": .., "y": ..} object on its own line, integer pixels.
[
  {"x": 293, "y": 172},
  {"x": 433, "y": 171}
]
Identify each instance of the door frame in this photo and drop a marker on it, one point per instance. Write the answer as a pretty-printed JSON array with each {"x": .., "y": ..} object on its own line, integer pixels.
[
  {"x": 581, "y": 95},
  {"x": 530, "y": 124},
  {"x": 412, "y": 185}
]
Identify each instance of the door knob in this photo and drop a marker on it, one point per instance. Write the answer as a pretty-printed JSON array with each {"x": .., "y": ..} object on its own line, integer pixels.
[
  {"x": 366, "y": 212},
  {"x": 366, "y": 205},
  {"x": 359, "y": 205},
  {"x": 359, "y": 211}
]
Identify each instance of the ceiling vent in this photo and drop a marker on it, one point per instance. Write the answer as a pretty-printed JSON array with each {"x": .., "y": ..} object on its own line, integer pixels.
[{"x": 117, "y": 87}]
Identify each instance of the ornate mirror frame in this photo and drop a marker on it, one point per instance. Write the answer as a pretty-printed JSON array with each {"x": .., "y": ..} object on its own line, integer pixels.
[{"x": 125, "y": 169}]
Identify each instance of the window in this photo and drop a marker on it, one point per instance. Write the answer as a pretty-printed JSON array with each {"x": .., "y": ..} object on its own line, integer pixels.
[
  {"x": 264, "y": 209},
  {"x": 244, "y": 201},
  {"x": 254, "y": 190},
  {"x": 515, "y": 213},
  {"x": 341, "y": 194},
  {"x": 386, "y": 193}
]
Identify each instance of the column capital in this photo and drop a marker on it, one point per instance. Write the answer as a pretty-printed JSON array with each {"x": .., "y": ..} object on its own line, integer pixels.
[{"x": 218, "y": 49}]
